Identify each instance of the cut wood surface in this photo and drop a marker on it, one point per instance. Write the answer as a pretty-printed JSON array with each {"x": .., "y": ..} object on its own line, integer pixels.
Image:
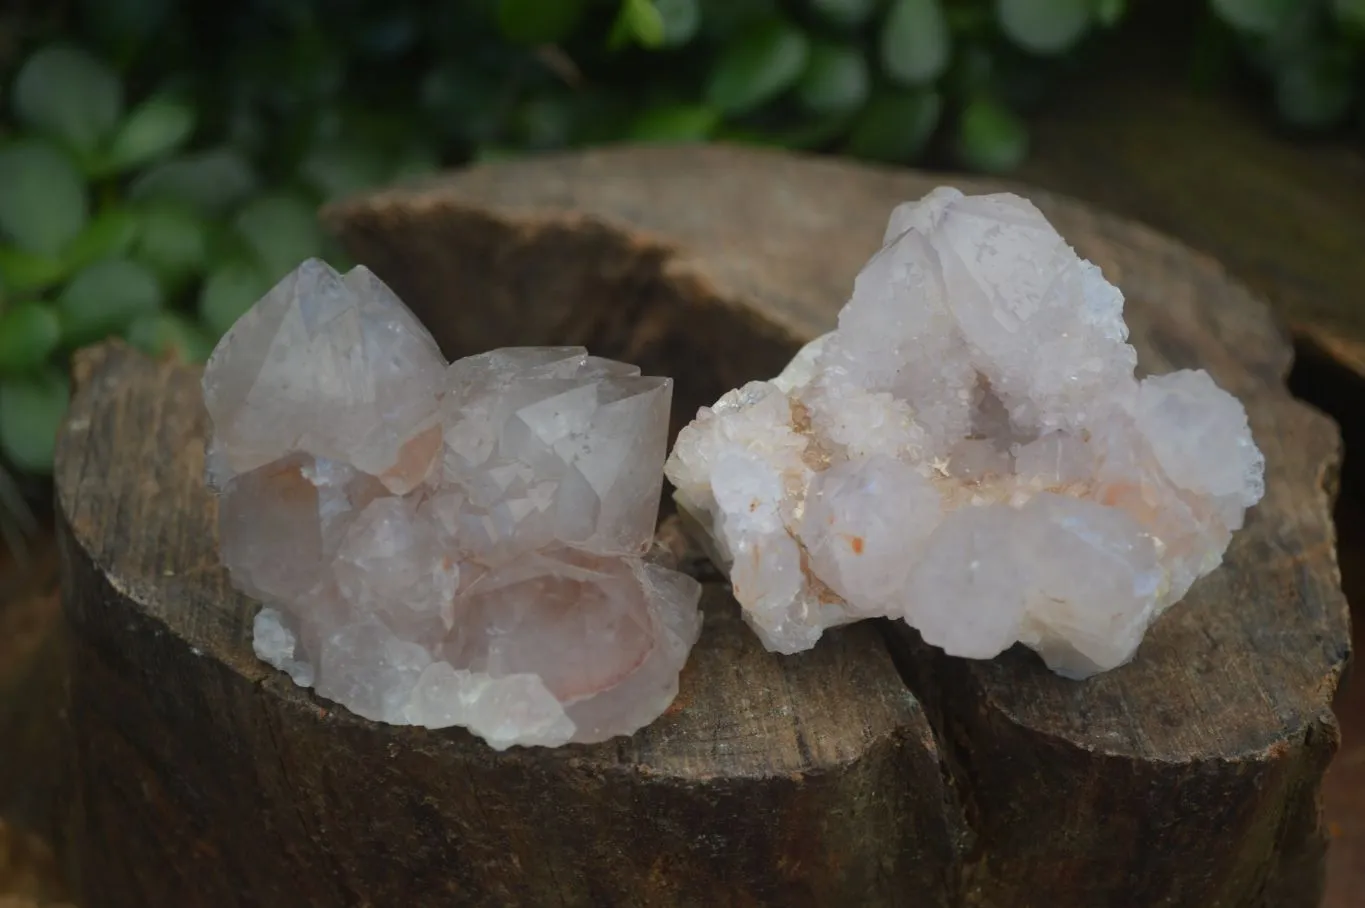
[{"x": 870, "y": 771}]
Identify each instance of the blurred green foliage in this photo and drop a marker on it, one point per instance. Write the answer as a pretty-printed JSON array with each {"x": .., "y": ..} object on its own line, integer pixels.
[
  {"x": 1310, "y": 54},
  {"x": 161, "y": 163}
]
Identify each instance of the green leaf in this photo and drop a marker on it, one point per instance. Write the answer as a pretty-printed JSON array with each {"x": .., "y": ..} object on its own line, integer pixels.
[
  {"x": 29, "y": 332},
  {"x": 812, "y": 133},
  {"x": 492, "y": 154},
  {"x": 972, "y": 72},
  {"x": 386, "y": 35},
  {"x": 761, "y": 64},
  {"x": 1109, "y": 12},
  {"x": 122, "y": 26},
  {"x": 1313, "y": 94},
  {"x": 31, "y": 412},
  {"x": 990, "y": 137},
  {"x": 835, "y": 81},
  {"x": 638, "y": 22},
  {"x": 417, "y": 160},
  {"x": 104, "y": 298},
  {"x": 42, "y": 197},
  {"x": 154, "y": 129},
  {"x": 228, "y": 292},
  {"x": 544, "y": 121},
  {"x": 65, "y": 93},
  {"x": 1043, "y": 26},
  {"x": 109, "y": 234},
  {"x": 173, "y": 242},
  {"x": 538, "y": 21},
  {"x": 462, "y": 100},
  {"x": 1350, "y": 12},
  {"x": 1259, "y": 17},
  {"x": 601, "y": 115},
  {"x": 675, "y": 123},
  {"x": 208, "y": 181},
  {"x": 282, "y": 230},
  {"x": 915, "y": 43},
  {"x": 338, "y": 171},
  {"x": 971, "y": 20},
  {"x": 167, "y": 334},
  {"x": 334, "y": 255},
  {"x": 896, "y": 126},
  {"x": 1296, "y": 39},
  {"x": 681, "y": 20},
  {"x": 27, "y": 272},
  {"x": 722, "y": 21},
  {"x": 844, "y": 13}
]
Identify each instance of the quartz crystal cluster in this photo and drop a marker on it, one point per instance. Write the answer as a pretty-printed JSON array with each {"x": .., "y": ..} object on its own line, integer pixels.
[
  {"x": 443, "y": 544},
  {"x": 970, "y": 451}
]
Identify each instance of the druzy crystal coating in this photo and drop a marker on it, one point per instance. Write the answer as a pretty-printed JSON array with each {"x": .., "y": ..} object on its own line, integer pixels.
[
  {"x": 971, "y": 452},
  {"x": 445, "y": 544}
]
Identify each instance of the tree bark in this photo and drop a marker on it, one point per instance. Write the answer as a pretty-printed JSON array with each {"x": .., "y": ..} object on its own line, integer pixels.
[
  {"x": 32, "y": 665},
  {"x": 870, "y": 771}
]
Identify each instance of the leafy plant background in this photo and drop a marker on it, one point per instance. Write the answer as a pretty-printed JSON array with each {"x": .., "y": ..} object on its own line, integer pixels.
[{"x": 161, "y": 163}]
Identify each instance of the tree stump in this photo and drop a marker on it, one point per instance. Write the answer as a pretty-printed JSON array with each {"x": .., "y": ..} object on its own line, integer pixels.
[{"x": 869, "y": 771}]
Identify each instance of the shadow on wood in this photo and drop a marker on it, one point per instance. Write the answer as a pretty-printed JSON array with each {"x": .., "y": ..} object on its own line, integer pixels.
[
  {"x": 32, "y": 666},
  {"x": 1189, "y": 777}
]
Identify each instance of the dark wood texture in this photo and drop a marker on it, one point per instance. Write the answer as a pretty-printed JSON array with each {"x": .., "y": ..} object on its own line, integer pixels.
[
  {"x": 31, "y": 686},
  {"x": 28, "y": 871},
  {"x": 1339, "y": 391},
  {"x": 1344, "y": 787},
  {"x": 31, "y": 745},
  {"x": 1187, "y": 778}
]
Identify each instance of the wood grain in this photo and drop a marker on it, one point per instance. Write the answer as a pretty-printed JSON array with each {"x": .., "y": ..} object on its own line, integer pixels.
[
  {"x": 32, "y": 682},
  {"x": 1189, "y": 777},
  {"x": 1339, "y": 390},
  {"x": 29, "y": 876}
]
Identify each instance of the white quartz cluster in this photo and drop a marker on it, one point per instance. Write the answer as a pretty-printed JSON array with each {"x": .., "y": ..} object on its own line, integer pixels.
[
  {"x": 970, "y": 451},
  {"x": 445, "y": 544}
]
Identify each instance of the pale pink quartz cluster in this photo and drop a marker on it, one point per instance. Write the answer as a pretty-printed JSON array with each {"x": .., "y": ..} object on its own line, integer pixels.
[
  {"x": 445, "y": 544},
  {"x": 971, "y": 452}
]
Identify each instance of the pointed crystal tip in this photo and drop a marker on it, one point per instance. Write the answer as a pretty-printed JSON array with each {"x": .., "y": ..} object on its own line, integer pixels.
[{"x": 445, "y": 544}]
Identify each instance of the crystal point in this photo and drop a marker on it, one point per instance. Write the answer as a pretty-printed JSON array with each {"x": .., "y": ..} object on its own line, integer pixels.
[
  {"x": 331, "y": 366},
  {"x": 444, "y": 544},
  {"x": 970, "y": 451}
]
